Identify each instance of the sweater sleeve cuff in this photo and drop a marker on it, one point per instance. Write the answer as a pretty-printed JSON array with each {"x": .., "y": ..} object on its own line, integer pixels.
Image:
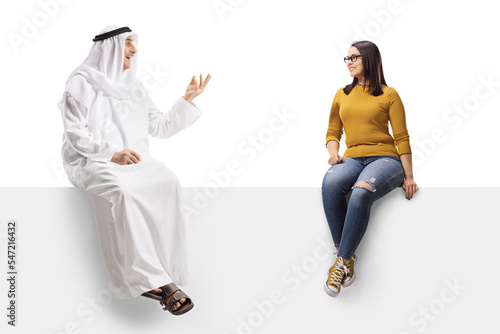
[
  {"x": 404, "y": 148},
  {"x": 328, "y": 139}
]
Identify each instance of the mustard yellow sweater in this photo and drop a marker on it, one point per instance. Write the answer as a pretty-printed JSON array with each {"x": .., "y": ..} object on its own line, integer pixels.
[{"x": 365, "y": 119}]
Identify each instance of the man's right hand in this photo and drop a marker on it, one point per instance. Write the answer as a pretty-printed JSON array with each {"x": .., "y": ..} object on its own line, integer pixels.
[
  {"x": 194, "y": 89},
  {"x": 126, "y": 157}
]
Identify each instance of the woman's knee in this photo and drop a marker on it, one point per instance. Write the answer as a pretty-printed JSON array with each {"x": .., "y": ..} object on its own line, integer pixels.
[
  {"x": 331, "y": 184},
  {"x": 364, "y": 184},
  {"x": 361, "y": 192}
]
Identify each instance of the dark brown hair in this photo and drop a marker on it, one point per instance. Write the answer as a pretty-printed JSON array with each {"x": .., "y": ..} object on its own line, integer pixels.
[{"x": 372, "y": 68}]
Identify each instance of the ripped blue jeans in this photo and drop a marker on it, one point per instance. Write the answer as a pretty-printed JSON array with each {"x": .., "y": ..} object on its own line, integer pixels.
[{"x": 348, "y": 220}]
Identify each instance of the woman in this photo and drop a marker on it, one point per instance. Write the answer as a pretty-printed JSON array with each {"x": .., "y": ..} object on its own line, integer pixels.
[{"x": 374, "y": 164}]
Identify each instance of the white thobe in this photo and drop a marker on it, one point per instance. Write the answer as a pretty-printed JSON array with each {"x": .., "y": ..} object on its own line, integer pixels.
[{"x": 138, "y": 208}]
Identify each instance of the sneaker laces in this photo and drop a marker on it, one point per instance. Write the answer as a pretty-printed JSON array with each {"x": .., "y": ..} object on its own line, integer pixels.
[{"x": 337, "y": 274}]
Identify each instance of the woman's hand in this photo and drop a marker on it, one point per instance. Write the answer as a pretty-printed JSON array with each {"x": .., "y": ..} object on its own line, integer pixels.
[
  {"x": 410, "y": 187},
  {"x": 333, "y": 150},
  {"x": 335, "y": 159},
  {"x": 125, "y": 157},
  {"x": 194, "y": 89}
]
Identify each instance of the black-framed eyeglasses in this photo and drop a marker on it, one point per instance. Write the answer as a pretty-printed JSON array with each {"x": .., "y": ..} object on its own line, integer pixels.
[{"x": 352, "y": 58}]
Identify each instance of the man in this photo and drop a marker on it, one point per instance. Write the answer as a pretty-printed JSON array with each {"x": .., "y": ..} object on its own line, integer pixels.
[{"x": 107, "y": 116}]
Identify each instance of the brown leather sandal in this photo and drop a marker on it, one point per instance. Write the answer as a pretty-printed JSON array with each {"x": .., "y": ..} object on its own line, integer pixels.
[
  {"x": 170, "y": 295},
  {"x": 152, "y": 295}
]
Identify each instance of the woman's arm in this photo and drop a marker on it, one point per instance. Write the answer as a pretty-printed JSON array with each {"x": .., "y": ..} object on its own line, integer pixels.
[
  {"x": 409, "y": 185},
  {"x": 397, "y": 118},
  {"x": 334, "y": 132},
  {"x": 333, "y": 150}
]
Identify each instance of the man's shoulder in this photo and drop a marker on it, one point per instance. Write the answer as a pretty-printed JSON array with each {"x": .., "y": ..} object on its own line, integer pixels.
[
  {"x": 81, "y": 89},
  {"x": 80, "y": 82}
]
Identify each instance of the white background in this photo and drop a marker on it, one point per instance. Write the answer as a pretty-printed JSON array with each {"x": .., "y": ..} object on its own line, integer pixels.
[{"x": 264, "y": 56}]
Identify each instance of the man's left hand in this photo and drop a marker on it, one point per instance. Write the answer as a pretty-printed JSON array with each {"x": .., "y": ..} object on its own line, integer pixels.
[{"x": 194, "y": 89}]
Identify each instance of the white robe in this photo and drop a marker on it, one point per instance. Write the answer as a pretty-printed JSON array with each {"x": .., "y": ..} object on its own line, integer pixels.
[{"x": 138, "y": 207}]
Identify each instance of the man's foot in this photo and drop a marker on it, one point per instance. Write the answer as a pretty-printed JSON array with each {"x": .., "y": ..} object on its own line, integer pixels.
[
  {"x": 335, "y": 276},
  {"x": 350, "y": 275},
  {"x": 158, "y": 292},
  {"x": 172, "y": 296}
]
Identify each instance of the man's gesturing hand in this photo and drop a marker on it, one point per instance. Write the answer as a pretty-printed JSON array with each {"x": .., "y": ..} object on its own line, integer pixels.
[
  {"x": 194, "y": 89},
  {"x": 126, "y": 157}
]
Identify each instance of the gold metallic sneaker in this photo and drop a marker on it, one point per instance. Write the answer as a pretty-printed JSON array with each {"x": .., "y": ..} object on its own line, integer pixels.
[
  {"x": 350, "y": 276},
  {"x": 335, "y": 276}
]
